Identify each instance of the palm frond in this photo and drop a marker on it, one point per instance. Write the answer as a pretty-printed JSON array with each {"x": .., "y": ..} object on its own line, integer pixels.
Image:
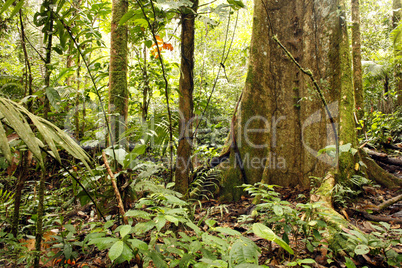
[{"x": 15, "y": 116}]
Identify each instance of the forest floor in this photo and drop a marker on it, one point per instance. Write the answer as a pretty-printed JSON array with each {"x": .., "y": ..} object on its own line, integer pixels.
[
  {"x": 239, "y": 216},
  {"x": 228, "y": 215}
]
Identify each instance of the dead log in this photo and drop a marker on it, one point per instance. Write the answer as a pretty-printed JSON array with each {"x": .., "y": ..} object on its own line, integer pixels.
[
  {"x": 384, "y": 157},
  {"x": 371, "y": 217},
  {"x": 377, "y": 174}
]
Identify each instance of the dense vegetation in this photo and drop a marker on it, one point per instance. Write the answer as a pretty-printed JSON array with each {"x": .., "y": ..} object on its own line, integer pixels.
[{"x": 78, "y": 190}]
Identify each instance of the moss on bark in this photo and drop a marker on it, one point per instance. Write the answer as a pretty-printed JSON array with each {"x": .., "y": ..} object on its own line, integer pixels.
[{"x": 118, "y": 91}]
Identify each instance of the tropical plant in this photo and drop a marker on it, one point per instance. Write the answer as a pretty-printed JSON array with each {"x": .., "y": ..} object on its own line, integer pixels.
[{"x": 16, "y": 117}]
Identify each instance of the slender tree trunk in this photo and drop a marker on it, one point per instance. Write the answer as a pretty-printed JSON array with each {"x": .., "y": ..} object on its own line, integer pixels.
[
  {"x": 396, "y": 17},
  {"x": 24, "y": 156},
  {"x": 357, "y": 58},
  {"x": 118, "y": 91},
  {"x": 46, "y": 108},
  {"x": 146, "y": 89},
  {"x": 186, "y": 87},
  {"x": 77, "y": 100},
  {"x": 39, "y": 219},
  {"x": 27, "y": 62},
  {"x": 347, "y": 127}
]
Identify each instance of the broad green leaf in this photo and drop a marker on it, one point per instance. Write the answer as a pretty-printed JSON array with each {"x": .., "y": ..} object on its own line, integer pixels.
[
  {"x": 236, "y": 4},
  {"x": 174, "y": 200},
  {"x": 102, "y": 242},
  {"x": 69, "y": 227},
  {"x": 210, "y": 222},
  {"x": 195, "y": 246},
  {"x": 141, "y": 22},
  {"x": 195, "y": 228},
  {"x": 143, "y": 227},
  {"x": 157, "y": 259},
  {"x": 307, "y": 261},
  {"x": 213, "y": 263},
  {"x": 66, "y": 142},
  {"x": 116, "y": 250},
  {"x": 263, "y": 231},
  {"x": 120, "y": 154},
  {"x": 359, "y": 235},
  {"x": 148, "y": 43},
  {"x": 214, "y": 241},
  {"x": 125, "y": 230},
  {"x": 138, "y": 214},
  {"x": 136, "y": 243},
  {"x": 129, "y": 14},
  {"x": 349, "y": 263},
  {"x": 54, "y": 97},
  {"x": 160, "y": 221},
  {"x": 185, "y": 260},
  {"x": 127, "y": 253},
  {"x": 67, "y": 251},
  {"x": 172, "y": 219},
  {"x": 278, "y": 210},
  {"x": 329, "y": 148},
  {"x": 244, "y": 251},
  {"x": 345, "y": 148}
]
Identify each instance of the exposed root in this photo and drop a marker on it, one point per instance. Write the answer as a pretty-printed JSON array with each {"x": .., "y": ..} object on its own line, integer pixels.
[{"x": 379, "y": 175}]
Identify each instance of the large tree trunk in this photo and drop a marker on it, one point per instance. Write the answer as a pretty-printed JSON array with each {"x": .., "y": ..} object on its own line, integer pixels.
[
  {"x": 281, "y": 124},
  {"x": 186, "y": 87},
  {"x": 396, "y": 17},
  {"x": 357, "y": 58},
  {"x": 118, "y": 91}
]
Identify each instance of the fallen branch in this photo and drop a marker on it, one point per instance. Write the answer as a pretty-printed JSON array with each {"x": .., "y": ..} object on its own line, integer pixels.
[
  {"x": 389, "y": 202},
  {"x": 116, "y": 190},
  {"x": 371, "y": 217},
  {"x": 376, "y": 173},
  {"x": 383, "y": 157}
]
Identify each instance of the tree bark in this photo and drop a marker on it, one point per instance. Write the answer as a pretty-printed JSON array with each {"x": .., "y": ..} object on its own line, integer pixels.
[
  {"x": 347, "y": 124},
  {"x": 146, "y": 89},
  {"x": 39, "y": 219},
  {"x": 357, "y": 58},
  {"x": 281, "y": 124},
  {"x": 22, "y": 176},
  {"x": 396, "y": 17},
  {"x": 118, "y": 91},
  {"x": 186, "y": 87},
  {"x": 116, "y": 189},
  {"x": 46, "y": 108},
  {"x": 377, "y": 174}
]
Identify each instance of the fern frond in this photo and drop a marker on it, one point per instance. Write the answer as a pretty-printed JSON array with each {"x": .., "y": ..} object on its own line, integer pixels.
[
  {"x": 6, "y": 196},
  {"x": 205, "y": 181}
]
